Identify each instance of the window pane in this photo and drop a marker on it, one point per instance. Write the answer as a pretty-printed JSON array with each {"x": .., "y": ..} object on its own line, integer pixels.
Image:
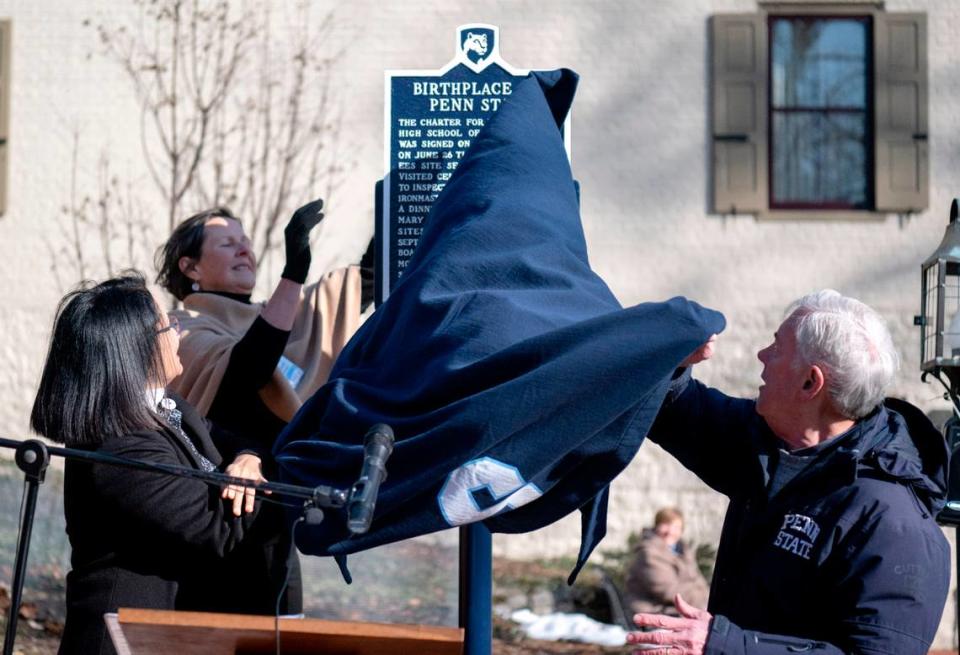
[
  {"x": 819, "y": 62},
  {"x": 819, "y": 158}
]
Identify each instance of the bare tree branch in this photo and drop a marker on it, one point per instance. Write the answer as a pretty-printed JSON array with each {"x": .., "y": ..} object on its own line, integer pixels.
[{"x": 231, "y": 112}]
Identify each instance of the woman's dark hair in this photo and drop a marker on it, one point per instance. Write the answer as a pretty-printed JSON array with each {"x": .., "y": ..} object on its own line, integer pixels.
[
  {"x": 103, "y": 358},
  {"x": 186, "y": 241}
]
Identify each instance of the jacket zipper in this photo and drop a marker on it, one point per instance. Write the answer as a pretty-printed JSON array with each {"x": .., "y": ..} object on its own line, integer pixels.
[{"x": 791, "y": 645}]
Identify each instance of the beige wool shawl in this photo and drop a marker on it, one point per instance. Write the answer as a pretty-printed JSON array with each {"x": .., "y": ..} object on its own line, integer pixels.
[{"x": 328, "y": 315}]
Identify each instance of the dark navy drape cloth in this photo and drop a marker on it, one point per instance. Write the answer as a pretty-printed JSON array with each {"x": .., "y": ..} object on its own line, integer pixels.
[{"x": 517, "y": 386}]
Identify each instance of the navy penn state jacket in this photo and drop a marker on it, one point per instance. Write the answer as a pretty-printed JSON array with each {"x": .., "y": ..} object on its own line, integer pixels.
[
  {"x": 516, "y": 384},
  {"x": 846, "y": 557}
]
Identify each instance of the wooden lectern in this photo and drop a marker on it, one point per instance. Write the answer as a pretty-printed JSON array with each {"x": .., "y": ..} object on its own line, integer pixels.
[{"x": 156, "y": 632}]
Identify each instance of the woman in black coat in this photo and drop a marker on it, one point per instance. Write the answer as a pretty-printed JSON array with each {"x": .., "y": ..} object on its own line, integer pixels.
[{"x": 137, "y": 537}]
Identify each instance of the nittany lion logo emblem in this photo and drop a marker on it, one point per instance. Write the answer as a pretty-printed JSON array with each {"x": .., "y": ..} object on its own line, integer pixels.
[{"x": 476, "y": 43}]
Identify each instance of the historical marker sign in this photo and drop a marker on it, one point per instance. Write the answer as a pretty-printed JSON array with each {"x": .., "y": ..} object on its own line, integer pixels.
[{"x": 431, "y": 118}]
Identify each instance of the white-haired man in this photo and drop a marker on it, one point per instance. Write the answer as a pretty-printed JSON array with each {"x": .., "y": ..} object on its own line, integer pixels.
[{"x": 829, "y": 544}]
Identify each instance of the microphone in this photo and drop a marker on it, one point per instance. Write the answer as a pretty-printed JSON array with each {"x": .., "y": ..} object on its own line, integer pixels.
[{"x": 377, "y": 446}]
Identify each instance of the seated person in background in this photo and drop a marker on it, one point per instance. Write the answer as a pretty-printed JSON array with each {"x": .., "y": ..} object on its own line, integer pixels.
[
  {"x": 248, "y": 367},
  {"x": 135, "y": 535},
  {"x": 829, "y": 543},
  {"x": 664, "y": 566}
]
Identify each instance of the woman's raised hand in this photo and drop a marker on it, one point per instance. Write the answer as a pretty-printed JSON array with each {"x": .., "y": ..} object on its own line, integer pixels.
[{"x": 297, "y": 241}]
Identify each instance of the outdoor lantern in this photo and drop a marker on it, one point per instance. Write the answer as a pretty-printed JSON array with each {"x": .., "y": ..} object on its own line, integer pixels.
[
  {"x": 939, "y": 318},
  {"x": 939, "y": 323}
]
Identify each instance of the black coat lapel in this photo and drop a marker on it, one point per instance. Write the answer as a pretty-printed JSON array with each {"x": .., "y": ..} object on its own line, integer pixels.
[{"x": 196, "y": 428}]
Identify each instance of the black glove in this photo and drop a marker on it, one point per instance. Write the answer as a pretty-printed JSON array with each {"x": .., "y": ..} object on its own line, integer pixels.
[{"x": 297, "y": 240}]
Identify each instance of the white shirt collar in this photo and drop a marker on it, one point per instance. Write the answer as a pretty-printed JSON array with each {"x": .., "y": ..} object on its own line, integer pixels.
[{"x": 154, "y": 396}]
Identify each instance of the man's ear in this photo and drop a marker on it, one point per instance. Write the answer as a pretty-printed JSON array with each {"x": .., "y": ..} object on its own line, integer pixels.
[
  {"x": 814, "y": 383},
  {"x": 188, "y": 266}
]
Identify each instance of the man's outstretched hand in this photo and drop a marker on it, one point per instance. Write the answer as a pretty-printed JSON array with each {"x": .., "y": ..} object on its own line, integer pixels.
[
  {"x": 683, "y": 635},
  {"x": 701, "y": 354}
]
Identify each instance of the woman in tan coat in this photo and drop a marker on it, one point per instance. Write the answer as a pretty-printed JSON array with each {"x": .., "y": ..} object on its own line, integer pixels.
[
  {"x": 664, "y": 566},
  {"x": 249, "y": 366}
]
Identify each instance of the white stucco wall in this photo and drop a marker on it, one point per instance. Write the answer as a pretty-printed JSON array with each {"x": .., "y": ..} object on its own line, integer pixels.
[{"x": 640, "y": 152}]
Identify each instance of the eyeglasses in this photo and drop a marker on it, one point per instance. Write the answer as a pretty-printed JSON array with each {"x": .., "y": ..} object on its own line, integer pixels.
[{"x": 174, "y": 325}]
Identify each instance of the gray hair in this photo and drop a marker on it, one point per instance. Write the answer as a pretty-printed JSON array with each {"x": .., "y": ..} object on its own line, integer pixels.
[{"x": 851, "y": 342}]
